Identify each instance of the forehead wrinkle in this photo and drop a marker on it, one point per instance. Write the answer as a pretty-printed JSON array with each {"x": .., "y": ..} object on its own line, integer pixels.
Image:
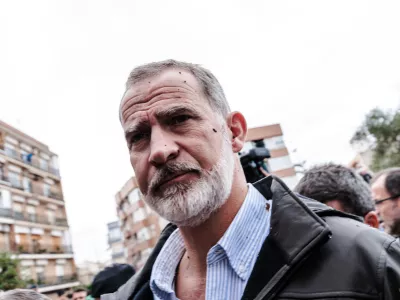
[{"x": 132, "y": 105}]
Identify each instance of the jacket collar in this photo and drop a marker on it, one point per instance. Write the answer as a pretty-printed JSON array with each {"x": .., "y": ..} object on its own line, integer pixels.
[{"x": 296, "y": 230}]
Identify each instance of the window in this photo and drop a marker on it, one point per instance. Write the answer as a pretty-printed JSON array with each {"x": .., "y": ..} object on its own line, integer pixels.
[
  {"x": 115, "y": 234},
  {"x": 5, "y": 201},
  {"x": 17, "y": 207},
  {"x": 4, "y": 241},
  {"x": 143, "y": 234},
  {"x": 275, "y": 142},
  {"x": 146, "y": 252},
  {"x": 44, "y": 165},
  {"x": 14, "y": 179},
  {"x": 60, "y": 273},
  {"x": 31, "y": 213},
  {"x": 139, "y": 215},
  {"x": 134, "y": 196},
  {"x": 46, "y": 189},
  {"x": 50, "y": 216},
  {"x": 26, "y": 273},
  {"x": 27, "y": 184},
  {"x": 279, "y": 163}
]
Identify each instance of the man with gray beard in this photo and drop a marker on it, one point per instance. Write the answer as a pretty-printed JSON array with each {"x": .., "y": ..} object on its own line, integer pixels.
[{"x": 228, "y": 239}]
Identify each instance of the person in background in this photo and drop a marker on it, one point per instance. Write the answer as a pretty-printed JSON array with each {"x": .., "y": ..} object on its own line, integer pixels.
[
  {"x": 341, "y": 188},
  {"x": 21, "y": 294},
  {"x": 79, "y": 294},
  {"x": 110, "y": 279},
  {"x": 385, "y": 187},
  {"x": 64, "y": 295}
]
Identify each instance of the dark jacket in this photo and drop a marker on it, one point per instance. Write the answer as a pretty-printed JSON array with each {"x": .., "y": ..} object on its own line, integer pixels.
[{"x": 311, "y": 252}]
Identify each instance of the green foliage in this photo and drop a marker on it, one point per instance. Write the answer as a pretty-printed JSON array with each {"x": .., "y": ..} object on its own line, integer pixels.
[
  {"x": 382, "y": 131},
  {"x": 9, "y": 278}
]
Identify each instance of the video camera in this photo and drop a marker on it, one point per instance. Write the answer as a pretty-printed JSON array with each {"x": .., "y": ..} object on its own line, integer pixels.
[{"x": 254, "y": 160}]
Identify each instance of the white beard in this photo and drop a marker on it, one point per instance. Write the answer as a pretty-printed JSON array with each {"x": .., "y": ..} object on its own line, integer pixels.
[{"x": 191, "y": 203}]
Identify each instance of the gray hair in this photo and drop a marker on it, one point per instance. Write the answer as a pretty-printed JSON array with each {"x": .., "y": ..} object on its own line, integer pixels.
[
  {"x": 336, "y": 182},
  {"x": 212, "y": 89},
  {"x": 20, "y": 294},
  {"x": 392, "y": 180}
]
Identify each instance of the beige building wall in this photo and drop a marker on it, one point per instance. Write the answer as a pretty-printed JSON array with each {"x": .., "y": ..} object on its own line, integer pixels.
[
  {"x": 280, "y": 163},
  {"x": 33, "y": 220},
  {"x": 140, "y": 226}
]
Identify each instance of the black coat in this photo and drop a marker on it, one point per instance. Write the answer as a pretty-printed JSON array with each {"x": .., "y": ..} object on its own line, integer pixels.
[{"x": 311, "y": 252}]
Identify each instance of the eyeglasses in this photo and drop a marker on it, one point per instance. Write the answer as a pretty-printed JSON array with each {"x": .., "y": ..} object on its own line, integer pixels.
[{"x": 383, "y": 200}]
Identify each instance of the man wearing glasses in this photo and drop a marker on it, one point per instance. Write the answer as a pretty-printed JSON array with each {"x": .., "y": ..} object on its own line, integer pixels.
[{"x": 386, "y": 193}]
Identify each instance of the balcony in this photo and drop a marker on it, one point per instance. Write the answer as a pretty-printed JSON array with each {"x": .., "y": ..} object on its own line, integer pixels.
[
  {"x": 61, "y": 222},
  {"x": 37, "y": 189},
  {"x": 6, "y": 213},
  {"x": 38, "y": 247},
  {"x": 55, "y": 195},
  {"x": 118, "y": 254},
  {"x": 22, "y": 158},
  {"x": 44, "y": 281},
  {"x": 4, "y": 179},
  {"x": 16, "y": 184},
  {"x": 33, "y": 218},
  {"x": 114, "y": 239}
]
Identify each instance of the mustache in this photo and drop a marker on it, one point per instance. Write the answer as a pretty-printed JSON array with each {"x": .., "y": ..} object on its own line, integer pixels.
[{"x": 169, "y": 171}]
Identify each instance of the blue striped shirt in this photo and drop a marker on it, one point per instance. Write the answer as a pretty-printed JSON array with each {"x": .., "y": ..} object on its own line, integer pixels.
[{"x": 229, "y": 262}]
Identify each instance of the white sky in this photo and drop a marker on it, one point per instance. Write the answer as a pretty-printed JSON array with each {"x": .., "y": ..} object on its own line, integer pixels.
[{"x": 316, "y": 67}]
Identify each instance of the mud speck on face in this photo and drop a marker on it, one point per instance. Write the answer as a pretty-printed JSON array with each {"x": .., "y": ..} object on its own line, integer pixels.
[{"x": 214, "y": 130}]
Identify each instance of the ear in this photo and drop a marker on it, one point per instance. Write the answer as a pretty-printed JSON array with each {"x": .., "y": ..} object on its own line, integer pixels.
[
  {"x": 372, "y": 219},
  {"x": 238, "y": 128}
]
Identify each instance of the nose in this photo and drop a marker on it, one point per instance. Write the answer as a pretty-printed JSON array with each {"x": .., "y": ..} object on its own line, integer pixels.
[{"x": 163, "y": 148}]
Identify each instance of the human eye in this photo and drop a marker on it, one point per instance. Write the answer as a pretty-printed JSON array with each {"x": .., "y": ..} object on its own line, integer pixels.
[
  {"x": 137, "y": 138},
  {"x": 179, "y": 119}
]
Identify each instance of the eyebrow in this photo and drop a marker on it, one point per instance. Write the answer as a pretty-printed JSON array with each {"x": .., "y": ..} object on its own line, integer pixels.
[
  {"x": 165, "y": 113},
  {"x": 135, "y": 127}
]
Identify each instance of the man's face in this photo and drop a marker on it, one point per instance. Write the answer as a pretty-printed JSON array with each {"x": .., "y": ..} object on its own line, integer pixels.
[
  {"x": 179, "y": 147},
  {"x": 79, "y": 296},
  {"x": 389, "y": 210}
]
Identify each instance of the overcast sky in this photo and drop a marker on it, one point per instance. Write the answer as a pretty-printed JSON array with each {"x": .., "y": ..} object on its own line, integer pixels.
[{"x": 316, "y": 67}]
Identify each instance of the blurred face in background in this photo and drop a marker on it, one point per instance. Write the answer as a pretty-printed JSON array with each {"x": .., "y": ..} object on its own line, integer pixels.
[
  {"x": 79, "y": 295},
  {"x": 389, "y": 210}
]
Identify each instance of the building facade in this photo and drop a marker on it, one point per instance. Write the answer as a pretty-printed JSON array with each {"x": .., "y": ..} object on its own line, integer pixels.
[
  {"x": 116, "y": 243},
  {"x": 280, "y": 163},
  {"x": 140, "y": 226},
  {"x": 33, "y": 221}
]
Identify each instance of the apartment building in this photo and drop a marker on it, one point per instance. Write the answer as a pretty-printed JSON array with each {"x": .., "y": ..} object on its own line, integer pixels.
[
  {"x": 280, "y": 163},
  {"x": 116, "y": 243},
  {"x": 33, "y": 221},
  {"x": 140, "y": 226}
]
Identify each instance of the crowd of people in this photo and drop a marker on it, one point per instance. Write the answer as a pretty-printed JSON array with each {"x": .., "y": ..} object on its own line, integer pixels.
[{"x": 228, "y": 239}]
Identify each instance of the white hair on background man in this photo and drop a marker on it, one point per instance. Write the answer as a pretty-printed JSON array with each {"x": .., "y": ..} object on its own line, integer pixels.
[{"x": 20, "y": 294}]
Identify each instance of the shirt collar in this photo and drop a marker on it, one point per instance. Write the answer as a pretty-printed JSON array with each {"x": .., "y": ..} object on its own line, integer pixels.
[
  {"x": 239, "y": 243},
  {"x": 244, "y": 236},
  {"x": 166, "y": 264}
]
